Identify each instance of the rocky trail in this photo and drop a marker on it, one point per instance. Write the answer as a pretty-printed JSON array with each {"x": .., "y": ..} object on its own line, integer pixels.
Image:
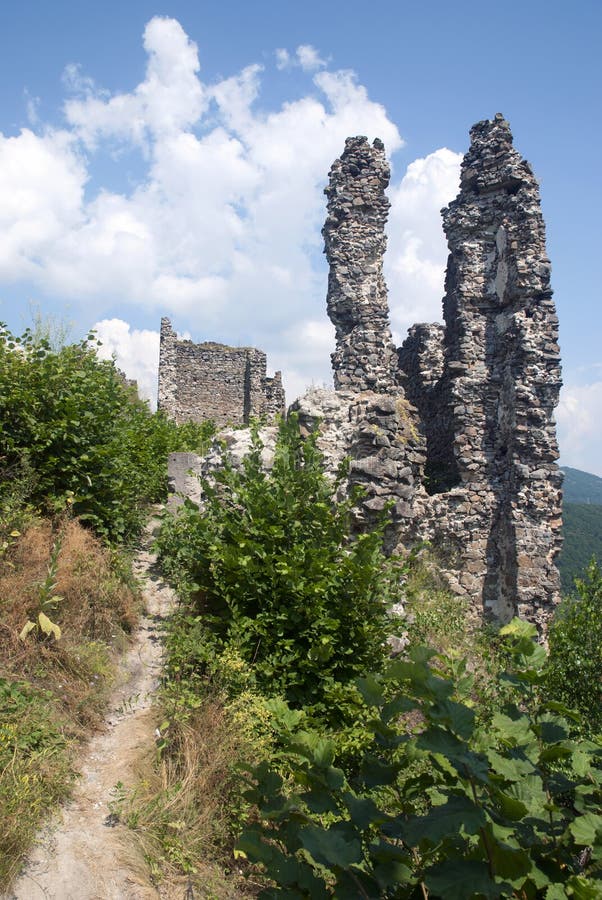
[{"x": 81, "y": 854}]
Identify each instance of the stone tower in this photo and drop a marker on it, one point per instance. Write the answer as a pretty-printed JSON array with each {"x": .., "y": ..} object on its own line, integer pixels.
[
  {"x": 354, "y": 237},
  {"x": 502, "y": 368}
]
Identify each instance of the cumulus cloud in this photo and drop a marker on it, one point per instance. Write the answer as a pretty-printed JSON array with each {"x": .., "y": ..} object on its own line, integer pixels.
[
  {"x": 283, "y": 58},
  {"x": 579, "y": 418},
  {"x": 221, "y": 227},
  {"x": 170, "y": 98},
  {"x": 417, "y": 254},
  {"x": 136, "y": 352},
  {"x": 41, "y": 195}
]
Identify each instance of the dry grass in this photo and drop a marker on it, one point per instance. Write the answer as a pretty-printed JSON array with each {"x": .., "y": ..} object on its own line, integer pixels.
[
  {"x": 183, "y": 809},
  {"x": 53, "y": 693}
]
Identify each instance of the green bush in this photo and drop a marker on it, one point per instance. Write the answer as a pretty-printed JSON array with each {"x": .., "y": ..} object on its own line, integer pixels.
[
  {"x": 574, "y": 671},
  {"x": 75, "y": 425},
  {"x": 268, "y": 566},
  {"x": 507, "y": 810}
]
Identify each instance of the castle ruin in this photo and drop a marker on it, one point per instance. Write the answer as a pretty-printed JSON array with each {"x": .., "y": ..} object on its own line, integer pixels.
[
  {"x": 454, "y": 431},
  {"x": 228, "y": 385},
  {"x": 456, "y": 428}
]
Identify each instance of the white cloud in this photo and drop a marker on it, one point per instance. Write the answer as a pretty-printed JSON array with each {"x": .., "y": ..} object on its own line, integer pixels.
[
  {"x": 579, "y": 417},
  {"x": 417, "y": 251},
  {"x": 170, "y": 98},
  {"x": 41, "y": 193},
  {"x": 221, "y": 228},
  {"x": 135, "y": 352},
  {"x": 309, "y": 58},
  {"x": 305, "y": 57},
  {"x": 283, "y": 58}
]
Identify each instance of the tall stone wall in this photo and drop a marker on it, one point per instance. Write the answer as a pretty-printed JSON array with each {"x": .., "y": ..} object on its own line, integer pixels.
[
  {"x": 478, "y": 447},
  {"x": 213, "y": 381},
  {"x": 502, "y": 370},
  {"x": 455, "y": 432},
  {"x": 354, "y": 237}
]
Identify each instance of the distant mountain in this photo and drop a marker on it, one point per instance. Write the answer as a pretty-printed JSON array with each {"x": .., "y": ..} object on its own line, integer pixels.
[
  {"x": 581, "y": 487},
  {"x": 582, "y": 516}
]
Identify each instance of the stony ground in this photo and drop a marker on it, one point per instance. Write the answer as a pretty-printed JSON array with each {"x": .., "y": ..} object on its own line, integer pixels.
[{"x": 81, "y": 855}]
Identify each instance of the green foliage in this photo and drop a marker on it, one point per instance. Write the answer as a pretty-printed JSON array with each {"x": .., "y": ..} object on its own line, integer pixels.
[
  {"x": 34, "y": 774},
  {"x": 574, "y": 671},
  {"x": 489, "y": 814},
  {"x": 582, "y": 540},
  {"x": 76, "y": 425},
  {"x": 269, "y": 566}
]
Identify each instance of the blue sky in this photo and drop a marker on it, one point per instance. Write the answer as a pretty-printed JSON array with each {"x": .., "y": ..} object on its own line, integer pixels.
[{"x": 168, "y": 159}]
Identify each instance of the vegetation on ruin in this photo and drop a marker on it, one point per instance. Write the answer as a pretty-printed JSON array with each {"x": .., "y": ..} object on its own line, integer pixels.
[
  {"x": 574, "y": 669},
  {"x": 466, "y": 743},
  {"x": 510, "y": 810},
  {"x": 267, "y": 569},
  {"x": 469, "y": 769}
]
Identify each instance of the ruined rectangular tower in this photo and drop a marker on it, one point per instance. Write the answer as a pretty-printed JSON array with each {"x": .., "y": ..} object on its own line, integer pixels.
[{"x": 228, "y": 385}]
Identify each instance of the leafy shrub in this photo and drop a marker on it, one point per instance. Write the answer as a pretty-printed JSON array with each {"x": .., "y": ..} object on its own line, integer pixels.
[
  {"x": 574, "y": 671},
  {"x": 489, "y": 815},
  {"x": 73, "y": 422},
  {"x": 269, "y": 565}
]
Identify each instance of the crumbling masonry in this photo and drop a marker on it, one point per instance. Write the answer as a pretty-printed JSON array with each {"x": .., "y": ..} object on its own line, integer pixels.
[
  {"x": 455, "y": 429},
  {"x": 212, "y": 381}
]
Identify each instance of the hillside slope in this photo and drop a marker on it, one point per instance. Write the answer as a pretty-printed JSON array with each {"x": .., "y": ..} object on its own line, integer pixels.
[
  {"x": 581, "y": 487},
  {"x": 582, "y": 515}
]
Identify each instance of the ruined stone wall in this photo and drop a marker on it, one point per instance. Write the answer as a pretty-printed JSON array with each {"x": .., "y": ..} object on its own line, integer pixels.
[
  {"x": 455, "y": 431},
  {"x": 478, "y": 447},
  {"x": 213, "y": 381},
  {"x": 425, "y": 379},
  {"x": 502, "y": 372},
  {"x": 354, "y": 237}
]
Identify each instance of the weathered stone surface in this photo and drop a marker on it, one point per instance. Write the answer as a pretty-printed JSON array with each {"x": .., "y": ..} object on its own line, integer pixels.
[
  {"x": 455, "y": 431},
  {"x": 492, "y": 401},
  {"x": 380, "y": 438},
  {"x": 212, "y": 381},
  {"x": 183, "y": 470},
  {"x": 354, "y": 237}
]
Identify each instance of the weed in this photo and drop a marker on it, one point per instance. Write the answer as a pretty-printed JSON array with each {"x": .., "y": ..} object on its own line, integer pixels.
[{"x": 52, "y": 693}]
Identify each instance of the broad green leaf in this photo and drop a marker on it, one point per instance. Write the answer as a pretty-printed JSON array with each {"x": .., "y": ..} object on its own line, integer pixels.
[
  {"x": 514, "y": 730},
  {"x": 375, "y": 772},
  {"x": 371, "y": 690},
  {"x": 519, "y": 628},
  {"x": 458, "y": 717},
  {"x": 251, "y": 844},
  {"x": 363, "y": 811},
  {"x": 555, "y": 892},
  {"x": 583, "y": 888},
  {"x": 510, "y": 862},
  {"x": 587, "y": 829},
  {"x": 531, "y": 793},
  {"x": 460, "y": 879},
  {"x": 457, "y": 815},
  {"x": 510, "y": 768},
  {"x": 330, "y": 846}
]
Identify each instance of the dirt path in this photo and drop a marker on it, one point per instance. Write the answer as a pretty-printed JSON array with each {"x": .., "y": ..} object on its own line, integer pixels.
[{"x": 80, "y": 856}]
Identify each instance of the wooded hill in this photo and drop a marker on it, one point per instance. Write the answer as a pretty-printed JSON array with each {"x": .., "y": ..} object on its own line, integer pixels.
[{"x": 582, "y": 514}]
